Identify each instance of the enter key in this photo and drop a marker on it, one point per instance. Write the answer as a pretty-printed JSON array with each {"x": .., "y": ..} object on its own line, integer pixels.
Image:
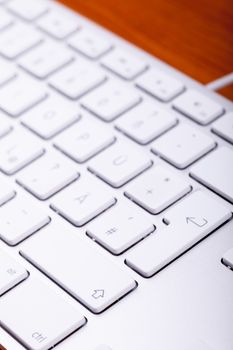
[{"x": 188, "y": 222}]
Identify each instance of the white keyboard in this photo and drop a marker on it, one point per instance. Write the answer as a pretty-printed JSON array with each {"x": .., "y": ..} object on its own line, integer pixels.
[{"x": 112, "y": 165}]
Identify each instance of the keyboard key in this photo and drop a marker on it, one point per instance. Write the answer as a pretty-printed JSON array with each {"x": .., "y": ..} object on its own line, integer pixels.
[
  {"x": 25, "y": 93},
  {"x": 123, "y": 64},
  {"x": 55, "y": 317},
  {"x": 47, "y": 176},
  {"x": 160, "y": 85},
  {"x": 20, "y": 218},
  {"x": 84, "y": 140},
  {"x": 110, "y": 100},
  {"x": 5, "y": 19},
  {"x": 119, "y": 235},
  {"x": 6, "y": 192},
  {"x": 28, "y": 9},
  {"x": 77, "y": 79},
  {"x": 58, "y": 24},
  {"x": 216, "y": 172},
  {"x": 190, "y": 221},
  {"x": 198, "y": 107},
  {"x": 95, "y": 281},
  {"x": 227, "y": 258},
  {"x": 119, "y": 164},
  {"x": 7, "y": 72},
  {"x": 10, "y": 45},
  {"x": 183, "y": 145},
  {"x": 89, "y": 43},
  {"x": 51, "y": 117},
  {"x": 11, "y": 273},
  {"x": 223, "y": 127},
  {"x": 157, "y": 189},
  {"x": 17, "y": 150},
  {"x": 5, "y": 126},
  {"x": 145, "y": 122},
  {"x": 83, "y": 201},
  {"x": 45, "y": 59}
]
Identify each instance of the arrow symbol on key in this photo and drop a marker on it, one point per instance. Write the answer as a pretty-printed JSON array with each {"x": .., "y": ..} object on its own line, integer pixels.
[
  {"x": 196, "y": 222},
  {"x": 98, "y": 293}
]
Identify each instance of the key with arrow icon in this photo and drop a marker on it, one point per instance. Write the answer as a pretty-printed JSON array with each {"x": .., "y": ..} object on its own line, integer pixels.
[{"x": 98, "y": 293}]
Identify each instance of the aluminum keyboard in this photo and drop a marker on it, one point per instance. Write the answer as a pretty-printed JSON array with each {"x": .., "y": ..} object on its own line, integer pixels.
[{"x": 104, "y": 153}]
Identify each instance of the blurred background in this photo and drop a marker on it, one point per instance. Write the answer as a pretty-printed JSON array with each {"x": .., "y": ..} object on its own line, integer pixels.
[{"x": 194, "y": 36}]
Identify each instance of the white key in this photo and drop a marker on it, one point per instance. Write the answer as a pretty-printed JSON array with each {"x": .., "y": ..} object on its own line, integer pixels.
[
  {"x": 7, "y": 72},
  {"x": 119, "y": 164},
  {"x": 77, "y": 79},
  {"x": 10, "y": 45},
  {"x": 25, "y": 93},
  {"x": 160, "y": 85},
  {"x": 110, "y": 100},
  {"x": 216, "y": 172},
  {"x": 85, "y": 273},
  {"x": 41, "y": 318},
  {"x": 120, "y": 227},
  {"x": 124, "y": 64},
  {"x": 58, "y": 24},
  {"x": 51, "y": 117},
  {"x": 89, "y": 43},
  {"x": 47, "y": 176},
  {"x": 28, "y": 9},
  {"x": 45, "y": 59},
  {"x": 198, "y": 107},
  {"x": 145, "y": 122},
  {"x": 183, "y": 145},
  {"x": 20, "y": 218},
  {"x": 5, "y": 19},
  {"x": 5, "y": 126},
  {"x": 228, "y": 258},
  {"x": 11, "y": 273},
  {"x": 6, "y": 192},
  {"x": 84, "y": 140},
  {"x": 223, "y": 127},
  {"x": 17, "y": 150},
  {"x": 157, "y": 189},
  {"x": 190, "y": 221},
  {"x": 83, "y": 201}
]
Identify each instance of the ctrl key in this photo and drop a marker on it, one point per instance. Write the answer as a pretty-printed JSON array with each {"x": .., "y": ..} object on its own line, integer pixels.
[{"x": 38, "y": 317}]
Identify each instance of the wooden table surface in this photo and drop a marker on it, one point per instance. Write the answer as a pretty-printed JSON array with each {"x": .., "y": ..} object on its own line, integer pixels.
[{"x": 194, "y": 36}]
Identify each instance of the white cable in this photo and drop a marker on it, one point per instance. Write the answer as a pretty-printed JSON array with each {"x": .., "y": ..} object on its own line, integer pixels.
[{"x": 221, "y": 82}]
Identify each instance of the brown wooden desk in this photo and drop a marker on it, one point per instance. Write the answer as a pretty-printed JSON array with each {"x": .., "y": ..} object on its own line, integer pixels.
[{"x": 195, "y": 36}]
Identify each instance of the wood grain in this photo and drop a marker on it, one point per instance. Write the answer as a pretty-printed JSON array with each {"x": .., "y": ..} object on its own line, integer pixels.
[{"x": 194, "y": 36}]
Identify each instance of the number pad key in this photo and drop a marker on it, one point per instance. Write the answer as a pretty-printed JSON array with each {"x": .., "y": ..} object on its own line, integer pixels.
[
  {"x": 118, "y": 235},
  {"x": 110, "y": 100},
  {"x": 25, "y": 93},
  {"x": 223, "y": 127},
  {"x": 77, "y": 79},
  {"x": 83, "y": 201},
  {"x": 47, "y": 176},
  {"x": 84, "y": 140},
  {"x": 145, "y": 122},
  {"x": 45, "y": 59},
  {"x": 58, "y": 24},
  {"x": 198, "y": 107},
  {"x": 17, "y": 150},
  {"x": 124, "y": 64},
  {"x": 27, "y": 9},
  {"x": 51, "y": 117},
  {"x": 11, "y": 273},
  {"x": 160, "y": 85},
  {"x": 5, "y": 19},
  {"x": 5, "y": 126},
  {"x": 183, "y": 145},
  {"x": 6, "y": 192},
  {"x": 89, "y": 43},
  {"x": 7, "y": 72},
  {"x": 20, "y": 218},
  {"x": 157, "y": 189},
  {"x": 119, "y": 164},
  {"x": 11, "y": 46}
]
